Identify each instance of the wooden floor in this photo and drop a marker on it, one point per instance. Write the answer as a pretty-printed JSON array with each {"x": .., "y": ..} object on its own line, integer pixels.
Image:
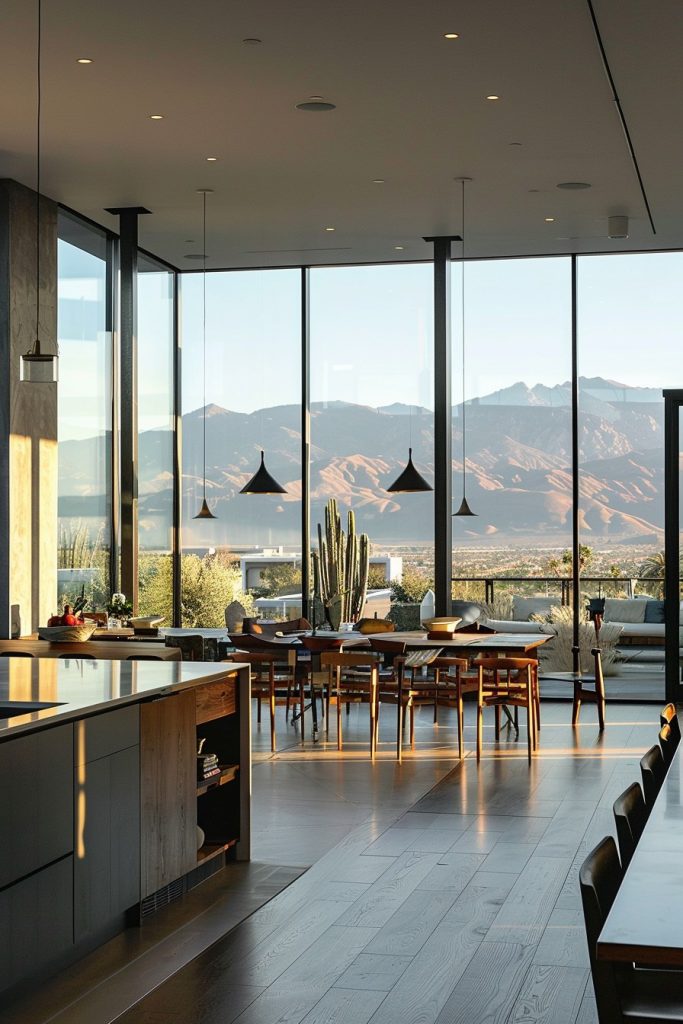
[{"x": 463, "y": 909}]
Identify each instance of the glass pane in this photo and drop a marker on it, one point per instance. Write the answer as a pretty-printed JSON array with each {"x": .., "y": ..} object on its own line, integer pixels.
[
  {"x": 253, "y": 403},
  {"x": 155, "y": 440},
  {"x": 84, "y": 414},
  {"x": 629, "y": 325},
  {"x": 517, "y": 393},
  {"x": 372, "y": 368}
]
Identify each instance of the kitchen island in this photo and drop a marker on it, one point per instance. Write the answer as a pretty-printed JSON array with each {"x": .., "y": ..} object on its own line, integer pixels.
[{"x": 103, "y": 813}]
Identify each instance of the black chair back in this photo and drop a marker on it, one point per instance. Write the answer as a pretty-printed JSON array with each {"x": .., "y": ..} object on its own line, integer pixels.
[
  {"x": 600, "y": 876},
  {"x": 653, "y": 771},
  {"x": 630, "y": 815},
  {"x": 669, "y": 717},
  {"x": 667, "y": 745},
  {"x": 15, "y": 654}
]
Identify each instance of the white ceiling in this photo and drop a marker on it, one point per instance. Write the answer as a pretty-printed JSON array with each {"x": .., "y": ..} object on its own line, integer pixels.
[{"x": 411, "y": 109}]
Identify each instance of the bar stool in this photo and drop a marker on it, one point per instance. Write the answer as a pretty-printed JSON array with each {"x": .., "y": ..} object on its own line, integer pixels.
[
  {"x": 630, "y": 815},
  {"x": 583, "y": 695},
  {"x": 667, "y": 745},
  {"x": 653, "y": 771},
  {"x": 517, "y": 688},
  {"x": 669, "y": 716}
]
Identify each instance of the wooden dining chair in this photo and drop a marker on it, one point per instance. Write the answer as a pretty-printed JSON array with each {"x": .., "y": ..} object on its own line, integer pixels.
[
  {"x": 445, "y": 685},
  {"x": 589, "y": 689},
  {"x": 669, "y": 716},
  {"x": 653, "y": 771},
  {"x": 353, "y": 678},
  {"x": 624, "y": 994},
  {"x": 507, "y": 682},
  {"x": 630, "y": 816},
  {"x": 273, "y": 678},
  {"x": 74, "y": 657},
  {"x": 15, "y": 654},
  {"x": 131, "y": 657}
]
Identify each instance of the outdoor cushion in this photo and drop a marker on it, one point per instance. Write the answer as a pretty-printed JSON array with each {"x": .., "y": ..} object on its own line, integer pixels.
[
  {"x": 654, "y": 611},
  {"x": 624, "y": 610},
  {"x": 511, "y": 626},
  {"x": 524, "y": 607},
  {"x": 466, "y": 611}
]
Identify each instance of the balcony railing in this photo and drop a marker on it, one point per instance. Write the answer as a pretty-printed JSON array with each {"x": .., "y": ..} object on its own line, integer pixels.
[{"x": 597, "y": 586}]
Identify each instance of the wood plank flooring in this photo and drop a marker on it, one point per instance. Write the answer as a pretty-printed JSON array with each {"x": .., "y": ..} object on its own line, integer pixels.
[
  {"x": 463, "y": 908},
  {"x": 437, "y": 892}
]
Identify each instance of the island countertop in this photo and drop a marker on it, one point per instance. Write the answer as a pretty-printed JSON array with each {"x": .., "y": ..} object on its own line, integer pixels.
[{"x": 79, "y": 688}]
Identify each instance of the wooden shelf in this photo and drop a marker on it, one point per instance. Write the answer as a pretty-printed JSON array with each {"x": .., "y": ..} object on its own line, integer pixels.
[
  {"x": 227, "y": 774},
  {"x": 210, "y": 850}
]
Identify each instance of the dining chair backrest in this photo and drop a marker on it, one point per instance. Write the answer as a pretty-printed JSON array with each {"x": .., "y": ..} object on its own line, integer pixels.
[
  {"x": 504, "y": 664},
  {"x": 600, "y": 876},
  {"x": 191, "y": 646},
  {"x": 395, "y": 647},
  {"x": 630, "y": 815},
  {"x": 475, "y": 627},
  {"x": 15, "y": 654},
  {"x": 76, "y": 657},
  {"x": 669, "y": 716},
  {"x": 653, "y": 772},
  {"x": 254, "y": 642},
  {"x": 349, "y": 659},
  {"x": 667, "y": 745}
]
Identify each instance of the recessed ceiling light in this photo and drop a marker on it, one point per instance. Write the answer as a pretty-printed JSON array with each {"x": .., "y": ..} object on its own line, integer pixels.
[
  {"x": 156, "y": 117},
  {"x": 316, "y": 105},
  {"x": 252, "y": 41},
  {"x": 189, "y": 241},
  {"x": 329, "y": 229},
  {"x": 212, "y": 159},
  {"x": 194, "y": 255},
  {"x": 550, "y": 220},
  {"x": 515, "y": 143},
  {"x": 493, "y": 97},
  {"x": 378, "y": 181},
  {"x": 84, "y": 60},
  {"x": 399, "y": 248},
  {"x": 451, "y": 35},
  {"x": 573, "y": 185},
  {"x": 534, "y": 190}
]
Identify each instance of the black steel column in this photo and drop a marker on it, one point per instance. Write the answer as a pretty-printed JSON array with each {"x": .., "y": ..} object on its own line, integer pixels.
[
  {"x": 443, "y": 428},
  {"x": 176, "y": 550},
  {"x": 113, "y": 474},
  {"x": 576, "y": 540},
  {"x": 672, "y": 405},
  {"x": 305, "y": 443},
  {"x": 128, "y": 277}
]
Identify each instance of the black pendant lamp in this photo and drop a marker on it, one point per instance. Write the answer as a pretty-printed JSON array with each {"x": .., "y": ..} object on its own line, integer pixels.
[
  {"x": 464, "y": 509},
  {"x": 410, "y": 481},
  {"x": 204, "y": 512},
  {"x": 36, "y": 366},
  {"x": 262, "y": 482}
]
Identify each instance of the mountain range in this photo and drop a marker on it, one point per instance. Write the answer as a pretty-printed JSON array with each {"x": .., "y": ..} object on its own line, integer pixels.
[{"x": 519, "y": 478}]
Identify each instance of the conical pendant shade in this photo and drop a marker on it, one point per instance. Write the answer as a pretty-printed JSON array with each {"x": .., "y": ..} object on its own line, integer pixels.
[
  {"x": 262, "y": 482},
  {"x": 205, "y": 512},
  {"x": 410, "y": 480},
  {"x": 464, "y": 509}
]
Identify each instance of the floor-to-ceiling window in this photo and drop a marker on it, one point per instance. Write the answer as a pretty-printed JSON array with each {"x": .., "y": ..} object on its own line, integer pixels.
[
  {"x": 155, "y": 437},
  {"x": 372, "y": 367},
  {"x": 248, "y": 401},
  {"x": 629, "y": 326},
  {"x": 84, "y": 412},
  {"x": 518, "y": 324}
]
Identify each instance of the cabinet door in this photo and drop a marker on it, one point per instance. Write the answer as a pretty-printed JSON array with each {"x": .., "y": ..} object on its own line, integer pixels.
[
  {"x": 107, "y": 854},
  {"x": 36, "y": 923},
  {"x": 36, "y": 801},
  {"x": 168, "y": 790}
]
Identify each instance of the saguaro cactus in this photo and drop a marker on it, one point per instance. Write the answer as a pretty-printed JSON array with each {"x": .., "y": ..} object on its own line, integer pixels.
[{"x": 340, "y": 568}]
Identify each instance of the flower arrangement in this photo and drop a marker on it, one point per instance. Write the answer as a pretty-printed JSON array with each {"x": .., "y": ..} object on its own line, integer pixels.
[{"x": 118, "y": 607}]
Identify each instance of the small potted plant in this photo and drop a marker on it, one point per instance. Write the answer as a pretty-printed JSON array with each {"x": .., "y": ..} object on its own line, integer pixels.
[{"x": 119, "y": 610}]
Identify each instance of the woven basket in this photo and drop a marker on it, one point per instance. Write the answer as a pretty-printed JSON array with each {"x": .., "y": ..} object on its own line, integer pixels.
[{"x": 67, "y": 634}]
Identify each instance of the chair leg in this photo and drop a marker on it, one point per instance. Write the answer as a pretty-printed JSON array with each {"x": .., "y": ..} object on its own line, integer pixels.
[
  {"x": 461, "y": 724},
  {"x": 373, "y": 719},
  {"x": 497, "y": 722},
  {"x": 601, "y": 708},
  {"x": 530, "y": 714},
  {"x": 302, "y": 704},
  {"x": 289, "y": 697},
  {"x": 272, "y": 717},
  {"x": 576, "y": 703},
  {"x": 258, "y": 709},
  {"x": 339, "y": 721},
  {"x": 480, "y": 729},
  {"x": 399, "y": 728},
  {"x": 412, "y": 725}
]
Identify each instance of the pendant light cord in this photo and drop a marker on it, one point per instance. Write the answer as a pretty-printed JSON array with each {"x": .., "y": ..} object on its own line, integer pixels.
[
  {"x": 462, "y": 295},
  {"x": 36, "y": 345},
  {"x": 204, "y": 326}
]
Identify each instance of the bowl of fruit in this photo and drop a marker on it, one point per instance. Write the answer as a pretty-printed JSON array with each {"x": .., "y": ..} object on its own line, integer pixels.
[{"x": 70, "y": 628}]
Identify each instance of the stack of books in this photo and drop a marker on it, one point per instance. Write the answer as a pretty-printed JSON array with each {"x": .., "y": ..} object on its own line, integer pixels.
[{"x": 207, "y": 766}]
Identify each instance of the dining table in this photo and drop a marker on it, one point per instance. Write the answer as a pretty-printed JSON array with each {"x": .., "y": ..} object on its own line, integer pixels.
[
  {"x": 99, "y": 650},
  {"x": 645, "y": 923}
]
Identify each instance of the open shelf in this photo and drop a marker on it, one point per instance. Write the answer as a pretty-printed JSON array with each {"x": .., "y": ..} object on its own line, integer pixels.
[
  {"x": 210, "y": 850},
  {"x": 227, "y": 774}
]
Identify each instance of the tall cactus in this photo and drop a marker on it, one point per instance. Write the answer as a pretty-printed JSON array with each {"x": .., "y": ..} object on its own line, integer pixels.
[{"x": 340, "y": 568}]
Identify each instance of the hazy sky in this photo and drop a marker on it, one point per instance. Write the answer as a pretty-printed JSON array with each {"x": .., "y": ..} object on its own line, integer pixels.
[{"x": 372, "y": 332}]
